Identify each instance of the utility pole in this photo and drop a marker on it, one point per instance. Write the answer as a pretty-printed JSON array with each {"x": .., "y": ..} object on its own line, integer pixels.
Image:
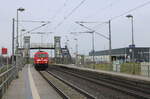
[
  {"x": 93, "y": 51},
  {"x": 17, "y": 42},
  {"x": 110, "y": 41},
  {"x": 76, "y": 47},
  {"x": 108, "y": 38},
  {"x": 13, "y": 34}
]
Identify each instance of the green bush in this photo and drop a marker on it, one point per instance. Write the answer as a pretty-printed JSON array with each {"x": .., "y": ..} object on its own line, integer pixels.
[
  {"x": 106, "y": 67},
  {"x": 128, "y": 68}
]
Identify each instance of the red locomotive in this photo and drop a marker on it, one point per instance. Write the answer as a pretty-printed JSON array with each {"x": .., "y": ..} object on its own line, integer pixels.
[{"x": 41, "y": 60}]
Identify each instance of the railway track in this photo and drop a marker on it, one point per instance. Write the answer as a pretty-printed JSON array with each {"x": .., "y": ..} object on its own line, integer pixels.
[
  {"x": 77, "y": 93},
  {"x": 126, "y": 87},
  {"x": 63, "y": 95}
]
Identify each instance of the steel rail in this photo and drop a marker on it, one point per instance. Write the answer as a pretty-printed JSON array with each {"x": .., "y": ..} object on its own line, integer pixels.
[
  {"x": 110, "y": 85},
  {"x": 120, "y": 82},
  {"x": 55, "y": 88},
  {"x": 86, "y": 94}
]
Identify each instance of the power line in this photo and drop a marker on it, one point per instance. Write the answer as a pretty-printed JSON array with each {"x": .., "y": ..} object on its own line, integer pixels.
[
  {"x": 93, "y": 30},
  {"x": 100, "y": 23},
  {"x": 32, "y": 21},
  {"x": 41, "y": 32},
  {"x": 104, "y": 8},
  {"x": 131, "y": 10},
  {"x": 60, "y": 9},
  {"x": 36, "y": 28},
  {"x": 73, "y": 10}
]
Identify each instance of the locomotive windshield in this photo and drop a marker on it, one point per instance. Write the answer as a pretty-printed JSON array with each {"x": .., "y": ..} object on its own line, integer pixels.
[{"x": 41, "y": 55}]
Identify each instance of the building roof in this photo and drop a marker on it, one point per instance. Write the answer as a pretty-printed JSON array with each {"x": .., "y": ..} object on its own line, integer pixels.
[{"x": 119, "y": 51}]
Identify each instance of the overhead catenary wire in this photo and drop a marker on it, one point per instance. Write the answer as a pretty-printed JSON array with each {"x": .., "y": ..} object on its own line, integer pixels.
[
  {"x": 35, "y": 28},
  {"x": 73, "y": 10},
  {"x": 98, "y": 25},
  {"x": 59, "y": 10},
  {"x": 104, "y": 8},
  {"x": 41, "y": 32},
  {"x": 131, "y": 10},
  {"x": 93, "y": 31},
  {"x": 32, "y": 21}
]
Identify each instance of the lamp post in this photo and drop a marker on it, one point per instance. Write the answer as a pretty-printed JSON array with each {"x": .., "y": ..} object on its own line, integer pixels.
[
  {"x": 133, "y": 45},
  {"x": 13, "y": 34},
  {"x": 17, "y": 42}
]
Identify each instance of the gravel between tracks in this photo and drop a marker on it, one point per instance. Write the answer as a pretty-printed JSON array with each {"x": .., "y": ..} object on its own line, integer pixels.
[
  {"x": 71, "y": 93},
  {"x": 99, "y": 91}
]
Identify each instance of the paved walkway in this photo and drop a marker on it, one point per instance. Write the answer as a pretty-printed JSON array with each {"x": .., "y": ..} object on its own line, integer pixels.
[
  {"x": 30, "y": 85},
  {"x": 129, "y": 76}
]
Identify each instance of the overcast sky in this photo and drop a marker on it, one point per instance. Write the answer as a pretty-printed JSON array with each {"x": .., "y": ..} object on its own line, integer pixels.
[{"x": 91, "y": 10}]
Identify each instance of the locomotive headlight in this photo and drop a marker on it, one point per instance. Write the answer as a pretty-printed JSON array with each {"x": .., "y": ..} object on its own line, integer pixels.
[
  {"x": 45, "y": 61},
  {"x": 38, "y": 60}
]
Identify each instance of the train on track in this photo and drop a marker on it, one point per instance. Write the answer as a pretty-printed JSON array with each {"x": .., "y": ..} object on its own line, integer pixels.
[{"x": 41, "y": 60}]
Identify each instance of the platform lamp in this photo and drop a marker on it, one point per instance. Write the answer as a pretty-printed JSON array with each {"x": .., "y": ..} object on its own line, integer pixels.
[
  {"x": 133, "y": 45},
  {"x": 17, "y": 42}
]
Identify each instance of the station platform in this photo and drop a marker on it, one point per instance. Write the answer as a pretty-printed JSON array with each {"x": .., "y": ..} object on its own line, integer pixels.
[
  {"x": 138, "y": 78},
  {"x": 30, "y": 85}
]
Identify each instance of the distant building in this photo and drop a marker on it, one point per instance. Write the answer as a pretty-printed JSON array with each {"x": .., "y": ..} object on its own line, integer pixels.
[{"x": 141, "y": 54}]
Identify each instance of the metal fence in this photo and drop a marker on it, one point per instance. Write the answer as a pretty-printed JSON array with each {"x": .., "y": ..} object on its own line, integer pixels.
[
  {"x": 145, "y": 69},
  {"x": 42, "y": 45},
  {"x": 6, "y": 76}
]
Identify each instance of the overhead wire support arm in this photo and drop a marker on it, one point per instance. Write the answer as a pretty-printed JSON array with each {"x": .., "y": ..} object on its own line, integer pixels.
[
  {"x": 36, "y": 28},
  {"x": 82, "y": 32},
  {"x": 92, "y": 30},
  {"x": 108, "y": 38},
  {"x": 41, "y": 32},
  {"x": 45, "y": 23},
  {"x": 33, "y": 21}
]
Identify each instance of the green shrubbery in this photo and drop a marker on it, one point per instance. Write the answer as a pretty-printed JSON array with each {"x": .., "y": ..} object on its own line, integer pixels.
[
  {"x": 128, "y": 68},
  {"x": 106, "y": 67}
]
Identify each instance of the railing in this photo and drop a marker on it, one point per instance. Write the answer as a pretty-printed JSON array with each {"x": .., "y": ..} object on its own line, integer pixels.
[
  {"x": 145, "y": 69},
  {"x": 5, "y": 78},
  {"x": 42, "y": 45}
]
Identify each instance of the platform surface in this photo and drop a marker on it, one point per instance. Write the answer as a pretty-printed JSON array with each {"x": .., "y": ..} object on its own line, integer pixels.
[
  {"x": 129, "y": 76},
  {"x": 30, "y": 85}
]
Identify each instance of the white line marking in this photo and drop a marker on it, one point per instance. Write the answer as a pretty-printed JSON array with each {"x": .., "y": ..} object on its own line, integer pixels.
[{"x": 34, "y": 91}]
